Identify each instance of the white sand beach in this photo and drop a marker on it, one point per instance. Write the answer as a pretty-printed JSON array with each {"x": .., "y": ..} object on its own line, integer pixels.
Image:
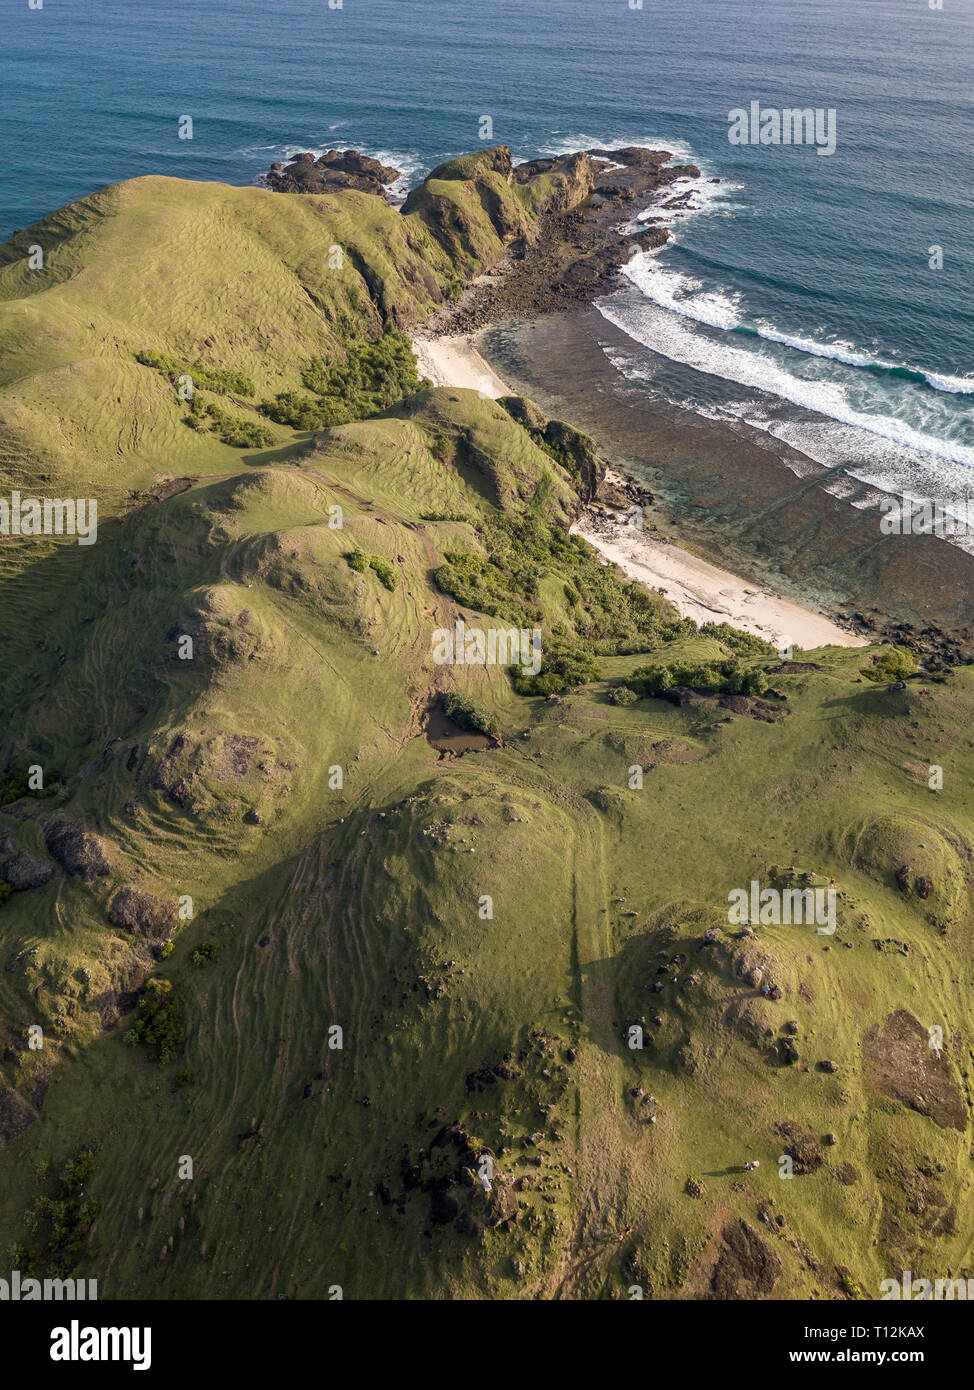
[
  {"x": 456, "y": 362},
  {"x": 707, "y": 594}
]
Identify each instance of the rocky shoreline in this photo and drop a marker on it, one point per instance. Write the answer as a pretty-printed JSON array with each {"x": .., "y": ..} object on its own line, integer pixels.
[
  {"x": 578, "y": 249},
  {"x": 577, "y": 245}
]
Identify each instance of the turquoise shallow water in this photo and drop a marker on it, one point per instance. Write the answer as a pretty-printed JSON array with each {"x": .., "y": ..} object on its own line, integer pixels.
[{"x": 801, "y": 280}]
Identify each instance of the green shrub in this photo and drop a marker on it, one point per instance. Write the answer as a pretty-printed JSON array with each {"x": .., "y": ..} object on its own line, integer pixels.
[
  {"x": 387, "y": 575},
  {"x": 60, "y": 1220},
  {"x": 232, "y": 429},
  {"x": 890, "y": 664},
  {"x": 204, "y": 378},
  {"x": 5, "y": 892},
  {"x": 744, "y": 643},
  {"x": 360, "y": 562},
  {"x": 729, "y": 677},
  {"x": 606, "y": 616},
  {"x": 158, "y": 1022},
  {"x": 622, "y": 695},
  {"x": 305, "y": 413},
  {"x": 564, "y": 662},
  {"x": 469, "y": 715},
  {"x": 374, "y": 376},
  {"x": 206, "y": 952}
]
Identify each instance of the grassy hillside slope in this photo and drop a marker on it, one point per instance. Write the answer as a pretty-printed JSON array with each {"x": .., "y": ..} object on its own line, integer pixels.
[{"x": 245, "y": 845}]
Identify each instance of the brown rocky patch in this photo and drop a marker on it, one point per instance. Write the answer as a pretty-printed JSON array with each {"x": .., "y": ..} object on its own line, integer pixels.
[
  {"x": 25, "y": 871},
  {"x": 331, "y": 172},
  {"x": 804, "y": 1149},
  {"x": 746, "y": 1267},
  {"x": 902, "y": 1065}
]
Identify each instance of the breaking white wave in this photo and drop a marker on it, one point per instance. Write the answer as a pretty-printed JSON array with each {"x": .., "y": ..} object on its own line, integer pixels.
[{"x": 670, "y": 334}]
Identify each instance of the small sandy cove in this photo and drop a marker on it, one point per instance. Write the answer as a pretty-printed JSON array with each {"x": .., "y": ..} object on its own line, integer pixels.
[
  {"x": 456, "y": 362},
  {"x": 699, "y": 589}
]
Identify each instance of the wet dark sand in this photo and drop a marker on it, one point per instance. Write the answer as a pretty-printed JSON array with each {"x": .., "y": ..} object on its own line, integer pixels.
[{"x": 726, "y": 490}]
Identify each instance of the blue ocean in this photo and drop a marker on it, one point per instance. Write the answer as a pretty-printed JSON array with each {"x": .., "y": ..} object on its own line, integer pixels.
[{"x": 826, "y": 298}]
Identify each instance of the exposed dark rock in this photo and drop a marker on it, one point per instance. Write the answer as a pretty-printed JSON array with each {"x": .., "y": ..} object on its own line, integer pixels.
[
  {"x": 79, "y": 853},
  {"x": 677, "y": 695},
  {"x": 144, "y": 915},
  {"x": 26, "y": 871},
  {"x": 788, "y": 1051},
  {"x": 331, "y": 172}
]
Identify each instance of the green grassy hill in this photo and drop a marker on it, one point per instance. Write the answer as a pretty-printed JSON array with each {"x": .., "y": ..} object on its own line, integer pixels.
[{"x": 485, "y": 929}]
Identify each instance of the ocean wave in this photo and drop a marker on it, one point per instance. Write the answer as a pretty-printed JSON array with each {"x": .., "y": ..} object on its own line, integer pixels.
[
  {"x": 685, "y": 295},
  {"x": 851, "y": 357},
  {"x": 681, "y": 294},
  {"x": 669, "y": 335}
]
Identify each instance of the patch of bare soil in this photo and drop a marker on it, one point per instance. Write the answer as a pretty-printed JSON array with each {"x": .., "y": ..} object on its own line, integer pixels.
[
  {"x": 746, "y": 1267},
  {"x": 902, "y": 1065},
  {"x": 233, "y": 761},
  {"x": 803, "y": 1147}
]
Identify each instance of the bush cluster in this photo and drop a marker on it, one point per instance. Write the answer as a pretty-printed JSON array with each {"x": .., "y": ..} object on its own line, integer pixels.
[
  {"x": 374, "y": 376},
  {"x": 469, "y": 715},
  {"x": 159, "y": 1021}
]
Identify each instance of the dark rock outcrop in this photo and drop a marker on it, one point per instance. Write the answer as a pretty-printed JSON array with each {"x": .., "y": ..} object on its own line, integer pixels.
[
  {"x": 330, "y": 173},
  {"x": 79, "y": 853},
  {"x": 26, "y": 871},
  {"x": 144, "y": 915}
]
